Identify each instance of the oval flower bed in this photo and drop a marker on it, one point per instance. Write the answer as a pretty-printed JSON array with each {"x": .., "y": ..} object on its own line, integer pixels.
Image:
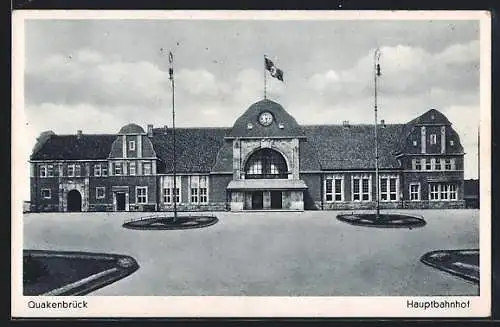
[
  {"x": 71, "y": 272},
  {"x": 461, "y": 263},
  {"x": 384, "y": 220},
  {"x": 168, "y": 223}
]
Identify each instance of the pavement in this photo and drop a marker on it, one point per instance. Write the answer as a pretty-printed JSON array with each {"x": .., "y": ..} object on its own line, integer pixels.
[{"x": 268, "y": 254}]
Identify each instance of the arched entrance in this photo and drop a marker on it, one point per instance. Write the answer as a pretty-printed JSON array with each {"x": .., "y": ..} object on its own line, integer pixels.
[
  {"x": 266, "y": 163},
  {"x": 74, "y": 201}
]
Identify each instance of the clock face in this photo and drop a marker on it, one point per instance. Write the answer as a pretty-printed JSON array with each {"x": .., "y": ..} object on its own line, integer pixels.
[{"x": 266, "y": 118}]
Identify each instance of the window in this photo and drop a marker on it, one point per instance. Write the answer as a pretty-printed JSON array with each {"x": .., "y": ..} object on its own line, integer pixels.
[
  {"x": 333, "y": 188},
  {"x": 433, "y": 139},
  {"x": 131, "y": 145},
  {"x": 168, "y": 189},
  {"x": 266, "y": 163},
  {"x": 452, "y": 143},
  {"x": 166, "y": 195},
  {"x": 194, "y": 195},
  {"x": 388, "y": 189},
  {"x": 141, "y": 193},
  {"x": 131, "y": 168},
  {"x": 50, "y": 170},
  {"x": 452, "y": 188},
  {"x": 78, "y": 170},
  {"x": 43, "y": 171},
  {"x": 414, "y": 192},
  {"x": 203, "y": 189},
  {"x": 97, "y": 170},
  {"x": 46, "y": 194},
  {"x": 437, "y": 164},
  {"x": 104, "y": 168},
  {"x": 428, "y": 165},
  {"x": 146, "y": 168},
  {"x": 443, "y": 191},
  {"x": 100, "y": 192},
  {"x": 361, "y": 188},
  {"x": 198, "y": 189},
  {"x": 118, "y": 168},
  {"x": 416, "y": 164},
  {"x": 447, "y": 164},
  {"x": 434, "y": 192},
  {"x": 71, "y": 170}
]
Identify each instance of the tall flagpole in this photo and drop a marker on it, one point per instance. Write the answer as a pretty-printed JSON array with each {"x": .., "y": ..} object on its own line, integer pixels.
[
  {"x": 171, "y": 73},
  {"x": 376, "y": 74},
  {"x": 265, "y": 79}
]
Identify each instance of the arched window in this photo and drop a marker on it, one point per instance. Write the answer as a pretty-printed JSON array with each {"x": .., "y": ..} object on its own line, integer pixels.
[{"x": 266, "y": 163}]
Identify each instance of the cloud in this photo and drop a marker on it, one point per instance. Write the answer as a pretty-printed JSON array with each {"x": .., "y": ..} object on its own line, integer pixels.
[{"x": 405, "y": 70}]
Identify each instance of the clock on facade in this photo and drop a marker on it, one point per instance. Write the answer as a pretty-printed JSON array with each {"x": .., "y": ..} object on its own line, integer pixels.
[{"x": 265, "y": 118}]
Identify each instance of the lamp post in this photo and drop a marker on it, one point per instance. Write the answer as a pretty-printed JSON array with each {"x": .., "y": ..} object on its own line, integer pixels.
[{"x": 376, "y": 75}]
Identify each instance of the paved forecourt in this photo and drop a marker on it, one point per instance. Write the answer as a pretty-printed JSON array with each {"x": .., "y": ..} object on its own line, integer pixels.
[{"x": 267, "y": 254}]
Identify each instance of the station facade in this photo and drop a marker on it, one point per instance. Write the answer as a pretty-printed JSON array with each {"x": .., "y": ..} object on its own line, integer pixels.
[{"x": 265, "y": 161}]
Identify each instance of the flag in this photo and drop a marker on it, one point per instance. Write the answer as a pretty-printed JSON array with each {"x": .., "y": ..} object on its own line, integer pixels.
[
  {"x": 171, "y": 61},
  {"x": 275, "y": 71}
]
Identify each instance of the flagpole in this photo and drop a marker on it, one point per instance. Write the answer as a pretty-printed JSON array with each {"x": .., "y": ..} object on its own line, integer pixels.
[
  {"x": 171, "y": 73},
  {"x": 376, "y": 72},
  {"x": 265, "y": 79}
]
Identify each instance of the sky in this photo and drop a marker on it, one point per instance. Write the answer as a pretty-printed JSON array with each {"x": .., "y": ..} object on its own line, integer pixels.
[{"x": 98, "y": 75}]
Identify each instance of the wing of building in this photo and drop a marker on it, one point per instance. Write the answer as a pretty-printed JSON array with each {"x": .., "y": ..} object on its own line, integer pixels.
[{"x": 265, "y": 161}]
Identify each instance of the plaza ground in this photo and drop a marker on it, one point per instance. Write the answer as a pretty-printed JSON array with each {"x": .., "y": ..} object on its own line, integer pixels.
[{"x": 267, "y": 254}]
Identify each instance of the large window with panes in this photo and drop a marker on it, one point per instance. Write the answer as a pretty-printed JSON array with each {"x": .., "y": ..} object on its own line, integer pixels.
[
  {"x": 415, "y": 192},
  {"x": 389, "y": 188},
  {"x": 361, "y": 186},
  {"x": 443, "y": 192},
  {"x": 198, "y": 189},
  {"x": 141, "y": 194},
  {"x": 334, "y": 188},
  {"x": 168, "y": 189}
]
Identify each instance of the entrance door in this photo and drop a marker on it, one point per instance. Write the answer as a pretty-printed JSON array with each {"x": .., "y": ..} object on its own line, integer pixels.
[
  {"x": 276, "y": 202},
  {"x": 257, "y": 200},
  {"x": 74, "y": 201},
  {"x": 120, "y": 201}
]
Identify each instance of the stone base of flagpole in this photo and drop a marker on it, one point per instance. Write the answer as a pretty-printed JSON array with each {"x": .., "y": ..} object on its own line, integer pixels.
[
  {"x": 383, "y": 220},
  {"x": 161, "y": 222}
]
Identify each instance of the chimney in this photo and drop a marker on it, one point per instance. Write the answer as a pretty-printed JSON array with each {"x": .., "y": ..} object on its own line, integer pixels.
[
  {"x": 382, "y": 122},
  {"x": 150, "y": 130},
  {"x": 79, "y": 134},
  {"x": 345, "y": 123},
  {"x": 165, "y": 129}
]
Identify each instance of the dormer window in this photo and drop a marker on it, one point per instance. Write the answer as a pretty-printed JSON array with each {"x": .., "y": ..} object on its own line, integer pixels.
[
  {"x": 249, "y": 125},
  {"x": 281, "y": 126},
  {"x": 131, "y": 145},
  {"x": 452, "y": 143},
  {"x": 414, "y": 142}
]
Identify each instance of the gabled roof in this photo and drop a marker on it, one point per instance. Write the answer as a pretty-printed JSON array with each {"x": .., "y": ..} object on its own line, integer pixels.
[
  {"x": 280, "y": 116},
  {"x": 73, "y": 147},
  {"x": 341, "y": 147},
  {"x": 131, "y": 129}
]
